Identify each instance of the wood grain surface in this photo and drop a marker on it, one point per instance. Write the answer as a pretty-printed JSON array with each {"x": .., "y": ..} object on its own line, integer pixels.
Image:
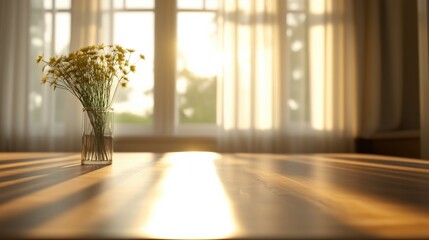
[{"x": 206, "y": 195}]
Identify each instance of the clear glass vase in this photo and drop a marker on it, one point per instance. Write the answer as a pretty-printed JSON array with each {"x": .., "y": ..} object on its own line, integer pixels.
[{"x": 97, "y": 136}]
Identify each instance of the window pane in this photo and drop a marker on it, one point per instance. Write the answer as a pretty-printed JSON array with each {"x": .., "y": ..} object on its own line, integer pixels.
[
  {"x": 190, "y": 4},
  {"x": 134, "y": 104},
  {"x": 118, "y": 4},
  {"x": 37, "y": 44},
  {"x": 296, "y": 71},
  {"x": 212, "y": 4},
  {"x": 62, "y": 4},
  {"x": 62, "y": 43},
  {"x": 48, "y": 34},
  {"x": 47, "y": 4},
  {"x": 62, "y": 33},
  {"x": 296, "y": 5},
  {"x": 143, "y": 4},
  {"x": 197, "y": 67}
]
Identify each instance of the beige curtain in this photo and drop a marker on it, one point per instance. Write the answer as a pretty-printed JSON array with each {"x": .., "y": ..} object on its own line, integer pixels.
[
  {"x": 14, "y": 91},
  {"x": 380, "y": 75},
  {"x": 32, "y": 116},
  {"x": 90, "y": 21},
  {"x": 249, "y": 100},
  {"x": 262, "y": 109}
]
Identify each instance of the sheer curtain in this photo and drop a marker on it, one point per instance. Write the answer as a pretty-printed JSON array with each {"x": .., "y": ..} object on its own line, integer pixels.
[
  {"x": 261, "y": 108},
  {"x": 90, "y": 21},
  {"x": 32, "y": 116},
  {"x": 14, "y": 91},
  {"x": 348, "y": 84},
  {"x": 249, "y": 100}
]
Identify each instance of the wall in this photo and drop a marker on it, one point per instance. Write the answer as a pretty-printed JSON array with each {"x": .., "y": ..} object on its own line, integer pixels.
[{"x": 410, "y": 107}]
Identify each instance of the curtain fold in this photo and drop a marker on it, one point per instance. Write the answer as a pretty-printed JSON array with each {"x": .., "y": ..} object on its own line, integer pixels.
[
  {"x": 14, "y": 92},
  {"x": 90, "y": 21},
  {"x": 268, "y": 106},
  {"x": 380, "y": 75},
  {"x": 88, "y": 27},
  {"x": 250, "y": 38}
]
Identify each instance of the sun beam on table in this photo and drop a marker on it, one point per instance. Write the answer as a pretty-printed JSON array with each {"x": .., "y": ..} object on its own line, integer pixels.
[{"x": 191, "y": 201}]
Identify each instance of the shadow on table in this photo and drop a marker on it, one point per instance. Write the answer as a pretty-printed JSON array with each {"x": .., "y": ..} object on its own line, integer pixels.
[
  {"x": 17, "y": 224},
  {"x": 18, "y": 181},
  {"x": 401, "y": 180}
]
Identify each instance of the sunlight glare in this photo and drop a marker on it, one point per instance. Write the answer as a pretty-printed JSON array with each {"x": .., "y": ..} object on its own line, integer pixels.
[
  {"x": 200, "y": 50},
  {"x": 133, "y": 99},
  {"x": 317, "y": 69},
  {"x": 293, "y": 105},
  {"x": 191, "y": 201},
  {"x": 202, "y": 58}
]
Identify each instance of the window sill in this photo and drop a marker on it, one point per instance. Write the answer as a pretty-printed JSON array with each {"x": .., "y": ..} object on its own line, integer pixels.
[{"x": 164, "y": 144}]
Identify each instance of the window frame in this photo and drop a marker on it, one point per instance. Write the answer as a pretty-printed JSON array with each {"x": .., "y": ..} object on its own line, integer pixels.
[
  {"x": 127, "y": 129},
  {"x": 165, "y": 120}
]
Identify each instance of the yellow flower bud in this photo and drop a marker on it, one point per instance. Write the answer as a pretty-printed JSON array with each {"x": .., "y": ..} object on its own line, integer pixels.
[
  {"x": 93, "y": 69},
  {"x": 120, "y": 49},
  {"x": 39, "y": 59}
]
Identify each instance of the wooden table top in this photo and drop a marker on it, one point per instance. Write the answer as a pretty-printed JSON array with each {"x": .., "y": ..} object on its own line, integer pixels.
[{"x": 209, "y": 195}]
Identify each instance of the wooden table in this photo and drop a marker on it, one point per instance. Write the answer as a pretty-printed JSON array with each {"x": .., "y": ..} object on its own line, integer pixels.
[{"x": 210, "y": 195}]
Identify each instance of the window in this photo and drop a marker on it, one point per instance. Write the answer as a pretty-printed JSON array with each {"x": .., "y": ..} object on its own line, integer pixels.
[
  {"x": 197, "y": 61},
  {"x": 181, "y": 103},
  {"x": 132, "y": 26},
  {"x": 175, "y": 89},
  {"x": 50, "y": 27},
  {"x": 296, "y": 58},
  {"x": 197, "y": 66},
  {"x": 134, "y": 104}
]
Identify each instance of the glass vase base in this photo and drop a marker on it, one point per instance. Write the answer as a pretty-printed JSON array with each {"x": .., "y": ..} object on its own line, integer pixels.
[
  {"x": 97, "y": 136},
  {"x": 90, "y": 162}
]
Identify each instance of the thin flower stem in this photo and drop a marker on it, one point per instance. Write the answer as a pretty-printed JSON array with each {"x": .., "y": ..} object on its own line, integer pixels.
[{"x": 93, "y": 75}]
